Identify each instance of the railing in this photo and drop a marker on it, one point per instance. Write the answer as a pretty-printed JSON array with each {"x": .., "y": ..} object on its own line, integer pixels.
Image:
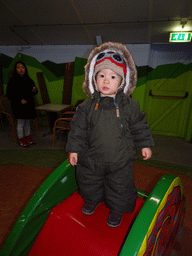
[{"x": 168, "y": 96}]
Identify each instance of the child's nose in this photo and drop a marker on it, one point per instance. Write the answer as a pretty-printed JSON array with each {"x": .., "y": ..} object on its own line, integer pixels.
[{"x": 106, "y": 79}]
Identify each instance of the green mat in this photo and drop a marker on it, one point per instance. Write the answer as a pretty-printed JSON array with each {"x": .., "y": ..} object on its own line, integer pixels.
[
  {"x": 45, "y": 158},
  {"x": 52, "y": 158},
  {"x": 180, "y": 169}
]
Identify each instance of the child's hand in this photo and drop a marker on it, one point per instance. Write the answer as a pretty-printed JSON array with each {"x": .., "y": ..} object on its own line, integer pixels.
[
  {"x": 34, "y": 89},
  {"x": 23, "y": 101},
  {"x": 146, "y": 153},
  {"x": 73, "y": 158}
]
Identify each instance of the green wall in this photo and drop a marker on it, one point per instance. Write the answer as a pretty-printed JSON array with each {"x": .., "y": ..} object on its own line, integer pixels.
[
  {"x": 169, "y": 110},
  {"x": 79, "y": 71}
]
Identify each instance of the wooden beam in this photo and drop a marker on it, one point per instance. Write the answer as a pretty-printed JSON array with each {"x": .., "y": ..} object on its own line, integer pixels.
[
  {"x": 43, "y": 88},
  {"x": 68, "y": 83},
  {"x": 1, "y": 81}
]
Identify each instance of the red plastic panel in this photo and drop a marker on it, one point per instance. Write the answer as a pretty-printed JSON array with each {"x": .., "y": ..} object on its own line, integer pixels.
[{"x": 68, "y": 231}]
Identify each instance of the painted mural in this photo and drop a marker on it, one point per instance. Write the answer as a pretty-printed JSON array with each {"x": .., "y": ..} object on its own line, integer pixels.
[{"x": 163, "y": 92}]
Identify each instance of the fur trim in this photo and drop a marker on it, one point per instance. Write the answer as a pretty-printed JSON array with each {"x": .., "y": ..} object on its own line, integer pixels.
[{"x": 131, "y": 76}]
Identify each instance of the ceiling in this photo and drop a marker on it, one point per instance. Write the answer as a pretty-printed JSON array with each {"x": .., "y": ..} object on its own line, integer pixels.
[{"x": 81, "y": 22}]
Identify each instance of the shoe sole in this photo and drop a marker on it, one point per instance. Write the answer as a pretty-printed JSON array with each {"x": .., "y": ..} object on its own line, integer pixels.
[
  {"x": 113, "y": 225},
  {"x": 24, "y": 146},
  {"x": 88, "y": 213}
]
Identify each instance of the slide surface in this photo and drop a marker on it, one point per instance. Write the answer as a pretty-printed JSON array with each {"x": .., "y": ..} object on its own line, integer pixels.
[{"x": 68, "y": 231}]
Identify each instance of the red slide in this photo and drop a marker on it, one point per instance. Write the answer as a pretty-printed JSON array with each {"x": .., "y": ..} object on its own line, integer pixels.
[{"x": 68, "y": 231}]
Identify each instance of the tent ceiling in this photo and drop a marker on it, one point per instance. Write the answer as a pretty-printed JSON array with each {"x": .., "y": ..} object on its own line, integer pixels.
[{"x": 78, "y": 22}]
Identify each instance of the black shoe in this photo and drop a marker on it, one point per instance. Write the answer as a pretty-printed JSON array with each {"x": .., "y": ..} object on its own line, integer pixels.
[
  {"x": 114, "y": 219},
  {"x": 89, "y": 209}
]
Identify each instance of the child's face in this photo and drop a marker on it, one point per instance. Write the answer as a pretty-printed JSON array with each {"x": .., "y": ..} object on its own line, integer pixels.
[
  {"x": 20, "y": 68},
  {"x": 108, "y": 82}
]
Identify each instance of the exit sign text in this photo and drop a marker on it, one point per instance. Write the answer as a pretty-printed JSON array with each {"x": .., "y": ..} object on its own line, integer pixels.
[{"x": 180, "y": 37}]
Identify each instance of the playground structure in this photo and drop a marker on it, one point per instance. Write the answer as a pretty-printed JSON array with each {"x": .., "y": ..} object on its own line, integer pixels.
[{"x": 52, "y": 222}]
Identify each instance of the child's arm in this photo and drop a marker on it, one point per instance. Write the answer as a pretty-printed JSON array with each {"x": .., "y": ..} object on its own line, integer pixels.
[
  {"x": 78, "y": 135},
  {"x": 73, "y": 158},
  {"x": 146, "y": 153},
  {"x": 34, "y": 88}
]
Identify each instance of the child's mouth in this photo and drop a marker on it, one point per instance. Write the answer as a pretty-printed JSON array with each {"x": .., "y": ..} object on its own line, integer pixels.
[{"x": 105, "y": 88}]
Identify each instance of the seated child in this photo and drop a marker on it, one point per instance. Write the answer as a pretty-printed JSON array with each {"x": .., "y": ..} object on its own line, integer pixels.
[{"x": 105, "y": 131}]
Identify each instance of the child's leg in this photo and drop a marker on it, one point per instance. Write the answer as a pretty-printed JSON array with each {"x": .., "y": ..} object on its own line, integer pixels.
[
  {"x": 90, "y": 180},
  {"x": 27, "y": 127},
  {"x": 28, "y": 132},
  {"x": 120, "y": 191},
  {"x": 20, "y": 132},
  {"x": 20, "y": 126}
]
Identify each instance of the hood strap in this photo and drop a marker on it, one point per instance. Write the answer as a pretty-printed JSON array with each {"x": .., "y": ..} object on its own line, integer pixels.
[
  {"x": 97, "y": 96},
  {"x": 96, "y": 106}
]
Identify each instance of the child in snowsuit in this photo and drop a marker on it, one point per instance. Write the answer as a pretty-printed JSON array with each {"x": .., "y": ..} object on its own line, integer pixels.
[{"x": 105, "y": 131}]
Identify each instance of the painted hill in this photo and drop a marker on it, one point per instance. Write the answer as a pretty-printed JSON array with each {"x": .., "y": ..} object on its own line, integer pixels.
[
  {"x": 57, "y": 69},
  {"x": 169, "y": 71},
  {"x": 52, "y": 71},
  {"x": 5, "y": 60}
]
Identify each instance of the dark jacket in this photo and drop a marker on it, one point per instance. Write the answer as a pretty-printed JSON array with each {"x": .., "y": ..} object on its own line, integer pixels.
[
  {"x": 104, "y": 137},
  {"x": 19, "y": 88}
]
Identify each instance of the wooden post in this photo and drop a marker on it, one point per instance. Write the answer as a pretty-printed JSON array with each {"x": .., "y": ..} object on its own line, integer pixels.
[
  {"x": 1, "y": 81},
  {"x": 43, "y": 88},
  {"x": 68, "y": 83}
]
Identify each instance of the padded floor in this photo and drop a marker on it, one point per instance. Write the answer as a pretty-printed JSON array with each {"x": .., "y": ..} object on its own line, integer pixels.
[{"x": 68, "y": 231}]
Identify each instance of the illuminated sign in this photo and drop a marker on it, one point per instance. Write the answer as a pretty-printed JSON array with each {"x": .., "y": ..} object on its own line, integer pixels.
[{"x": 180, "y": 37}]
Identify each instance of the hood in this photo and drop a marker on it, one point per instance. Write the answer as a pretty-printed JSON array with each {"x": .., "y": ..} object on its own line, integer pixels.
[{"x": 131, "y": 76}]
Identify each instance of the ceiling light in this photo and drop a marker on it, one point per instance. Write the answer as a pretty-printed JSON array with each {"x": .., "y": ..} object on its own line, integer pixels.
[
  {"x": 183, "y": 22},
  {"x": 180, "y": 36}
]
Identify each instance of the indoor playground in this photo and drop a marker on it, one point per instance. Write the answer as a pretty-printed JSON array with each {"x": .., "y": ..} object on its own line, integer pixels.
[{"x": 40, "y": 207}]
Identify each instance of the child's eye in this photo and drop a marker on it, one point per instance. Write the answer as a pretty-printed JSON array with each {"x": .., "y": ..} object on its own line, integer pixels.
[
  {"x": 113, "y": 77},
  {"x": 101, "y": 75}
]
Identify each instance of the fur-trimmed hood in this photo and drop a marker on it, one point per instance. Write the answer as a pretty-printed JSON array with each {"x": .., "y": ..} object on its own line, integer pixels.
[{"x": 131, "y": 76}]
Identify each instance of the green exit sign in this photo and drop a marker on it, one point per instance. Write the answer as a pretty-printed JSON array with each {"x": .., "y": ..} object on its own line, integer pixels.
[{"x": 180, "y": 37}]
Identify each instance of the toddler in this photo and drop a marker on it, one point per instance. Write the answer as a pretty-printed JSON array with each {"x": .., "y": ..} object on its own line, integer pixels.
[{"x": 105, "y": 132}]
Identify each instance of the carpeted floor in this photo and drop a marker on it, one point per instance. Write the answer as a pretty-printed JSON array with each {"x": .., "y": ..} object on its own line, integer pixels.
[{"x": 45, "y": 158}]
